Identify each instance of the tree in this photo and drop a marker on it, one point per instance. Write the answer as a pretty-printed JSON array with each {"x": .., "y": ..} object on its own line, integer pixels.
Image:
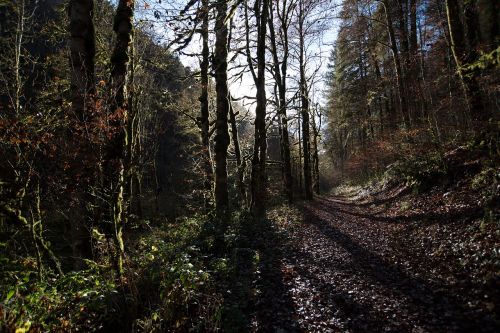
[
  {"x": 240, "y": 162},
  {"x": 304, "y": 98},
  {"x": 259, "y": 178},
  {"x": 463, "y": 45},
  {"x": 284, "y": 14},
  {"x": 204, "y": 114},
  {"x": 119, "y": 155},
  {"x": 315, "y": 155},
  {"x": 403, "y": 104},
  {"x": 221, "y": 88},
  {"x": 82, "y": 54}
]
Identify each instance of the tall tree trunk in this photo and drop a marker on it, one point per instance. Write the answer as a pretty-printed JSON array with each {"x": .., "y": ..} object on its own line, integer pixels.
[
  {"x": 259, "y": 182},
  {"x": 405, "y": 57},
  {"x": 82, "y": 55},
  {"x": 204, "y": 116},
  {"x": 120, "y": 65},
  {"x": 413, "y": 27},
  {"x": 300, "y": 169},
  {"x": 489, "y": 22},
  {"x": 414, "y": 79},
  {"x": 463, "y": 50},
  {"x": 221, "y": 135},
  {"x": 82, "y": 64},
  {"x": 304, "y": 96},
  {"x": 397, "y": 65},
  {"x": 316, "y": 129},
  {"x": 18, "y": 51},
  {"x": 403, "y": 31},
  {"x": 280, "y": 73},
  {"x": 240, "y": 163}
]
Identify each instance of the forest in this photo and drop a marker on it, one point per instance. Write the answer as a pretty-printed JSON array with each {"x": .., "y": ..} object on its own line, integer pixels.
[{"x": 250, "y": 166}]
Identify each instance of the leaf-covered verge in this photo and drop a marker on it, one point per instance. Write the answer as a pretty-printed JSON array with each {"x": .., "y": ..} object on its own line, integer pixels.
[
  {"x": 472, "y": 166},
  {"x": 449, "y": 203}
]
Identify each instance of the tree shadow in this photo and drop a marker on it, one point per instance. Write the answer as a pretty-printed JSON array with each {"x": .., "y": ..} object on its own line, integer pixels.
[
  {"x": 376, "y": 201},
  {"x": 428, "y": 217},
  {"x": 347, "y": 314},
  {"x": 275, "y": 309},
  {"x": 255, "y": 296},
  {"x": 436, "y": 307}
]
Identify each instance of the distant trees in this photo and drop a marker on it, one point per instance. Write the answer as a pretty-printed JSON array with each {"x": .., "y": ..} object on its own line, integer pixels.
[
  {"x": 407, "y": 71},
  {"x": 464, "y": 21}
]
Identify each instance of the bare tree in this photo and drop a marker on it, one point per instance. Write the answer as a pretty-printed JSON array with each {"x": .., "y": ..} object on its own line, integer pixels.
[
  {"x": 304, "y": 98},
  {"x": 284, "y": 11},
  {"x": 259, "y": 180}
]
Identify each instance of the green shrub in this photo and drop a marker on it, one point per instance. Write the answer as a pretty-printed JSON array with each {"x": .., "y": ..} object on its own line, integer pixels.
[
  {"x": 420, "y": 172},
  {"x": 82, "y": 299}
]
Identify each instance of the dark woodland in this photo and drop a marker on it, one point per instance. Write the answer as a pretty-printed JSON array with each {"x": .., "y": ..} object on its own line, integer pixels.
[{"x": 249, "y": 166}]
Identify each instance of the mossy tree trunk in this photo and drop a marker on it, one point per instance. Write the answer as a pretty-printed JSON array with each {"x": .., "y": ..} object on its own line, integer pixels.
[
  {"x": 204, "y": 114},
  {"x": 119, "y": 146}
]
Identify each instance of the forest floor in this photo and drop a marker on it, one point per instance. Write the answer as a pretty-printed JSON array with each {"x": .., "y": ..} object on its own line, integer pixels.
[{"x": 390, "y": 261}]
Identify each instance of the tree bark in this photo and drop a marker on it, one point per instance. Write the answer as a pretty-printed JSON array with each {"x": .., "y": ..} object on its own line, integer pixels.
[
  {"x": 413, "y": 27},
  {"x": 304, "y": 96},
  {"x": 397, "y": 65},
  {"x": 204, "y": 116},
  {"x": 489, "y": 22},
  {"x": 240, "y": 163},
  {"x": 280, "y": 73},
  {"x": 82, "y": 56},
  {"x": 221, "y": 135},
  {"x": 82, "y": 64},
  {"x": 464, "y": 52},
  {"x": 120, "y": 155},
  {"x": 259, "y": 182},
  {"x": 316, "y": 129}
]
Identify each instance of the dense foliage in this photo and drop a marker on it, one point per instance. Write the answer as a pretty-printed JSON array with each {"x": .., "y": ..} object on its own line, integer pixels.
[{"x": 395, "y": 89}]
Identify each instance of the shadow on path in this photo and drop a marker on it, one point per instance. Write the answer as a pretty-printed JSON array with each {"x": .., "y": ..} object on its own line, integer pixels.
[
  {"x": 434, "y": 306},
  {"x": 256, "y": 299},
  {"x": 444, "y": 217}
]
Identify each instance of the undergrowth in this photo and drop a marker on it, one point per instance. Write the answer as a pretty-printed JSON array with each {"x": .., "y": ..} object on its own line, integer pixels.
[{"x": 194, "y": 274}]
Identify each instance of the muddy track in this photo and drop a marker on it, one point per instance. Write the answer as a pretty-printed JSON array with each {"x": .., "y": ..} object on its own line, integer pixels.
[{"x": 346, "y": 269}]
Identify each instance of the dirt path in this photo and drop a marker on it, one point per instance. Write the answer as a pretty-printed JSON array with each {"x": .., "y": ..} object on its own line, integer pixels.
[{"x": 347, "y": 269}]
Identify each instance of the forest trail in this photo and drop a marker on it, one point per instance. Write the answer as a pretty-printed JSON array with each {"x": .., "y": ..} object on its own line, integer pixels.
[{"x": 346, "y": 268}]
